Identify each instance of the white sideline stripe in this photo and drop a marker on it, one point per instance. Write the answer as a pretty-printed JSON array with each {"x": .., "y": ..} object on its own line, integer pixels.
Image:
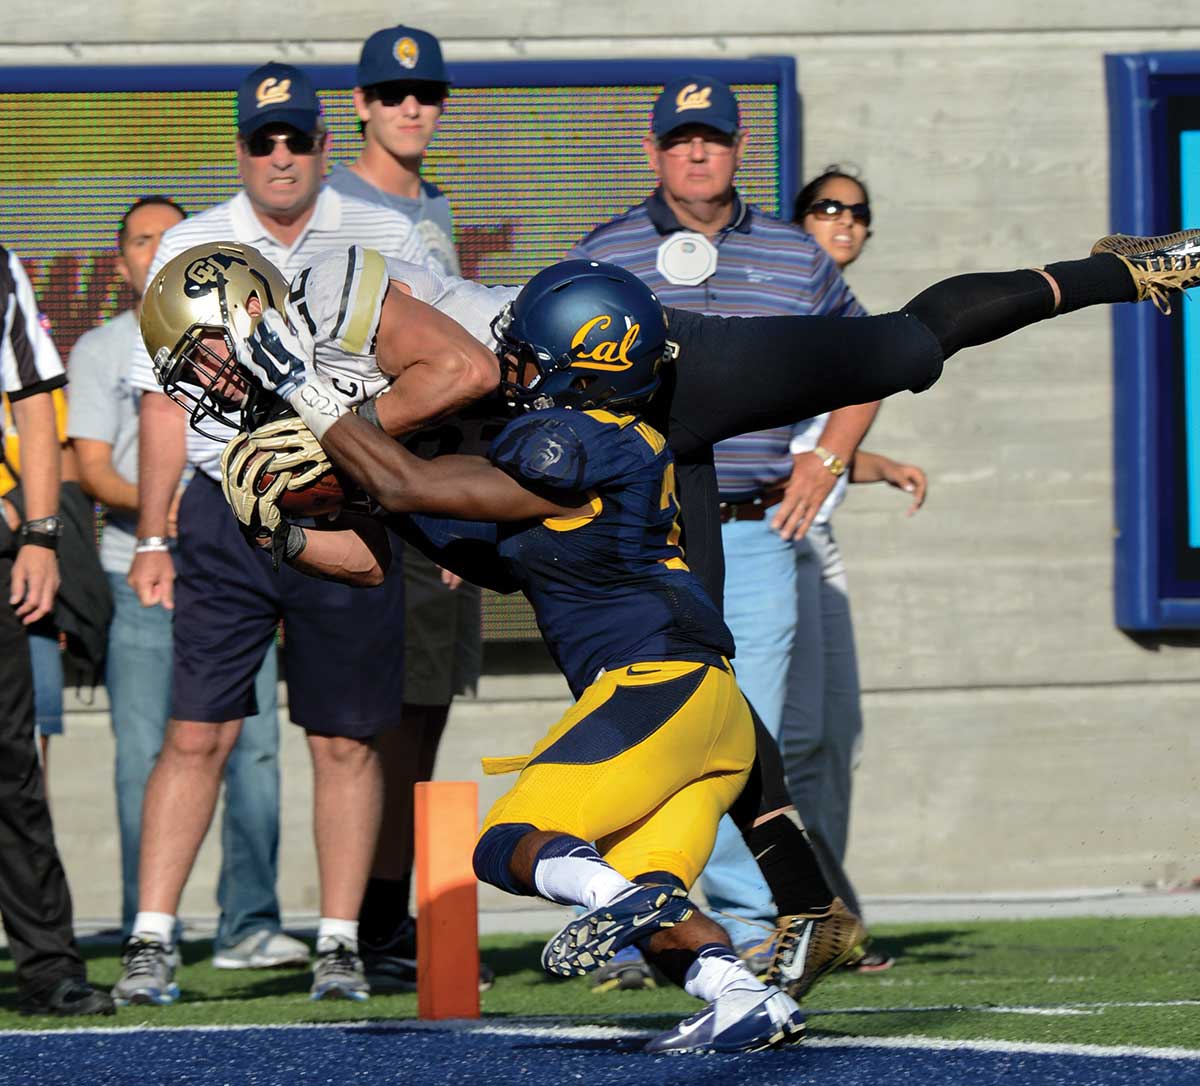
[{"x": 544, "y": 1028}]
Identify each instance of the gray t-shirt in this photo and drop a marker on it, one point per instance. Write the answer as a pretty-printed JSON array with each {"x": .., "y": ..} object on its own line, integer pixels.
[
  {"x": 429, "y": 212},
  {"x": 103, "y": 406}
]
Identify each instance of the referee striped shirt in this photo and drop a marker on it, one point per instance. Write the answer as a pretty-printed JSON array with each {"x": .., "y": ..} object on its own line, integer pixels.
[
  {"x": 338, "y": 221},
  {"x": 765, "y": 268},
  {"x": 29, "y": 361}
]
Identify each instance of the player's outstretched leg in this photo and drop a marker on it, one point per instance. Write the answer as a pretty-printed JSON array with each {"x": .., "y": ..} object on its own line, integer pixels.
[{"x": 968, "y": 310}]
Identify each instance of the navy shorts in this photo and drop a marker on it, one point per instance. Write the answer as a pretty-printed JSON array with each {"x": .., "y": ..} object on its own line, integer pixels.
[{"x": 343, "y": 646}]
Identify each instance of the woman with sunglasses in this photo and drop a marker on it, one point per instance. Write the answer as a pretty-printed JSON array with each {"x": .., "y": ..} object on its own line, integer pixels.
[
  {"x": 821, "y": 729},
  {"x": 835, "y": 209}
]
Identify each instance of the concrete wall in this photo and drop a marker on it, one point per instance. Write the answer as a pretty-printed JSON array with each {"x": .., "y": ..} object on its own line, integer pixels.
[{"x": 1016, "y": 739}]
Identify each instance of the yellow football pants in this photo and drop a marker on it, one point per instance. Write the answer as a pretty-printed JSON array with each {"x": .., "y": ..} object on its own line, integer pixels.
[{"x": 644, "y": 764}]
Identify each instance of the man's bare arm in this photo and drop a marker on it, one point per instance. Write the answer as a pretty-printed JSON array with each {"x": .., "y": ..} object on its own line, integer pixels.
[
  {"x": 359, "y": 555},
  {"x": 162, "y": 454},
  {"x": 35, "y": 570},
  {"x": 438, "y": 365},
  {"x": 811, "y": 481},
  {"x": 98, "y": 477}
]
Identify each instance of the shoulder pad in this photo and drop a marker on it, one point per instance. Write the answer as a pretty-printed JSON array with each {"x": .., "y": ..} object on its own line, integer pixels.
[
  {"x": 339, "y": 297},
  {"x": 544, "y": 447}
]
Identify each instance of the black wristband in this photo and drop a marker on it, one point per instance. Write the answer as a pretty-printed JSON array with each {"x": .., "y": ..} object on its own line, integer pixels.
[
  {"x": 37, "y": 539},
  {"x": 297, "y": 540},
  {"x": 370, "y": 412}
]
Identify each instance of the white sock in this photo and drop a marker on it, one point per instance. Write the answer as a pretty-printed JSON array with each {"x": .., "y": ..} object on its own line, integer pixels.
[
  {"x": 332, "y": 931},
  {"x": 718, "y": 970},
  {"x": 579, "y": 878},
  {"x": 157, "y": 926}
]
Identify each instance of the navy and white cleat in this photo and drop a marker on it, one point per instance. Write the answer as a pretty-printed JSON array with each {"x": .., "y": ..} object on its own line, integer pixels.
[
  {"x": 590, "y": 940},
  {"x": 742, "y": 1020}
]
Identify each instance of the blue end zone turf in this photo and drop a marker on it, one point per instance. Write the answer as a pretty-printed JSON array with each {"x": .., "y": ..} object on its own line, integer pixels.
[{"x": 504, "y": 1054}]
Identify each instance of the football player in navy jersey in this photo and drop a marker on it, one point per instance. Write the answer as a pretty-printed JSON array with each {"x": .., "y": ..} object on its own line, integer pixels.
[
  {"x": 616, "y": 808},
  {"x": 733, "y": 375}
]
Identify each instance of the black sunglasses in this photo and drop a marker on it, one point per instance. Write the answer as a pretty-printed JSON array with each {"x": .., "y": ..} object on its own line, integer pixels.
[
  {"x": 262, "y": 142},
  {"x": 427, "y": 93},
  {"x": 831, "y": 209}
]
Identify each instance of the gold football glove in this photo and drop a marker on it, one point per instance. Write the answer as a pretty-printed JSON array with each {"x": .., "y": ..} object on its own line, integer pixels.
[
  {"x": 255, "y": 505},
  {"x": 294, "y": 450}
]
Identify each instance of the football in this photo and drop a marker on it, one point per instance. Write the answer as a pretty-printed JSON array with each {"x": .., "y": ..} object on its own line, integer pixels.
[{"x": 322, "y": 496}]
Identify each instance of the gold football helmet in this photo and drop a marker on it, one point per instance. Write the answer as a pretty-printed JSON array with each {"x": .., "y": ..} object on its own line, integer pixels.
[{"x": 195, "y": 310}]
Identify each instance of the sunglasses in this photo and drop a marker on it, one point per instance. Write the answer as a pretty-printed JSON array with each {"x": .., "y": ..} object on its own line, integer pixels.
[
  {"x": 393, "y": 94},
  {"x": 831, "y": 209},
  {"x": 262, "y": 143},
  {"x": 714, "y": 146}
]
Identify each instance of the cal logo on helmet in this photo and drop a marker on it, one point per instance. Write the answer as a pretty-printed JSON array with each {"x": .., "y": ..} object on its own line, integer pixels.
[
  {"x": 603, "y": 354},
  {"x": 406, "y": 52}
]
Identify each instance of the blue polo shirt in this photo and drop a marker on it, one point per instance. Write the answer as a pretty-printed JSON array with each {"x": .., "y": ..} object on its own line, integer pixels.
[{"x": 765, "y": 268}]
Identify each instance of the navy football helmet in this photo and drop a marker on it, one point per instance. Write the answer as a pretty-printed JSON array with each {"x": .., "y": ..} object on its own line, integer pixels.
[{"x": 582, "y": 334}]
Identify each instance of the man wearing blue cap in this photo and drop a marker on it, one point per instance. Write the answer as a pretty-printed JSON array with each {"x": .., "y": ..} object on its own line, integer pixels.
[
  {"x": 701, "y": 247},
  {"x": 286, "y": 213},
  {"x": 402, "y": 84}
]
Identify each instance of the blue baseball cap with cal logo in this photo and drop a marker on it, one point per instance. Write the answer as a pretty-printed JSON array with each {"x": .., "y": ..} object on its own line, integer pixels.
[
  {"x": 695, "y": 99},
  {"x": 277, "y": 94},
  {"x": 401, "y": 53}
]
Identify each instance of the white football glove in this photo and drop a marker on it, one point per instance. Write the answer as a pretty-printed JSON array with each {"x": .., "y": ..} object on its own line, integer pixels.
[{"x": 280, "y": 358}]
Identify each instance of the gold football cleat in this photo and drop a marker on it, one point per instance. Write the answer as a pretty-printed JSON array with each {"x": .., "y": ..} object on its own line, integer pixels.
[
  {"x": 809, "y": 946},
  {"x": 1160, "y": 266}
]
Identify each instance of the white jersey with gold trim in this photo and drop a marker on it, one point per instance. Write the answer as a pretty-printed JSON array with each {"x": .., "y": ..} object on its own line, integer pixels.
[{"x": 339, "y": 297}]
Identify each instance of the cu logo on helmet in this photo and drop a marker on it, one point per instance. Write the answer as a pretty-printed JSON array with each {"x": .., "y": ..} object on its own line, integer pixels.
[
  {"x": 603, "y": 354},
  {"x": 207, "y": 273}
]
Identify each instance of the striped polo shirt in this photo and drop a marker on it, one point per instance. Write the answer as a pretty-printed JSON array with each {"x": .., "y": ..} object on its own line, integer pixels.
[
  {"x": 29, "y": 361},
  {"x": 765, "y": 268},
  {"x": 338, "y": 221}
]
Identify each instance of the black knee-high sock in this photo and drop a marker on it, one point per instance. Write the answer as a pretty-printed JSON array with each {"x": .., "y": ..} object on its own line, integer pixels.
[
  {"x": 789, "y": 864},
  {"x": 778, "y": 844},
  {"x": 1095, "y": 280},
  {"x": 968, "y": 310}
]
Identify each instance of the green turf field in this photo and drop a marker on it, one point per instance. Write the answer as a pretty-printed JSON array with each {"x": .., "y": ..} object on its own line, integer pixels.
[{"x": 1094, "y": 981}]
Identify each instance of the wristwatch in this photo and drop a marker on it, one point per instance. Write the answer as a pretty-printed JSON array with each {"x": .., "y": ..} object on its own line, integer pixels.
[
  {"x": 42, "y": 532},
  {"x": 835, "y": 464}
]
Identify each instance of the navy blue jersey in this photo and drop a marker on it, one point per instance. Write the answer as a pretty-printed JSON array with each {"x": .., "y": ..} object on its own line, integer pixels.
[{"x": 611, "y": 586}]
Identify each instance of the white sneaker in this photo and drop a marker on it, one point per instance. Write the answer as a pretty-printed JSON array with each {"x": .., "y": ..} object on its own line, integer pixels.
[
  {"x": 262, "y": 950},
  {"x": 338, "y": 974}
]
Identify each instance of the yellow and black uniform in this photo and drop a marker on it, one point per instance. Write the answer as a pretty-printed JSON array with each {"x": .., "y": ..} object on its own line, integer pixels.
[{"x": 660, "y": 741}]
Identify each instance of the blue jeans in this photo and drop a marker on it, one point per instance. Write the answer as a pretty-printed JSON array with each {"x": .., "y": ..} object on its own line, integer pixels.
[
  {"x": 139, "y": 690},
  {"x": 760, "y": 583},
  {"x": 46, "y": 659},
  {"x": 821, "y": 727}
]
